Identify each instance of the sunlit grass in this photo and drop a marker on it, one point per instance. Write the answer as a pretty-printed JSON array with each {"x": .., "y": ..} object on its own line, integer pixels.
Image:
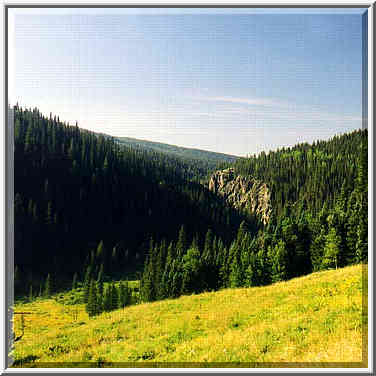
[{"x": 316, "y": 318}]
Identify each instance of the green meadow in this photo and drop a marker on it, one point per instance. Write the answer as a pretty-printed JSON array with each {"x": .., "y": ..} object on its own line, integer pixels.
[{"x": 316, "y": 318}]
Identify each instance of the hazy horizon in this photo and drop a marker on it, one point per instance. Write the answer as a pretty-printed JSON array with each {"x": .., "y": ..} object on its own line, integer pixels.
[{"x": 230, "y": 81}]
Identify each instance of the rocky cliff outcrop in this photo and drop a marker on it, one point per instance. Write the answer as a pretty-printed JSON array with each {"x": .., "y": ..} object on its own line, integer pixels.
[{"x": 242, "y": 192}]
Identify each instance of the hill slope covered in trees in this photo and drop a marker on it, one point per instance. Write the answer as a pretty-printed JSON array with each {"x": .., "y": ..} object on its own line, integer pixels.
[
  {"x": 319, "y": 220},
  {"x": 82, "y": 199},
  {"x": 86, "y": 206},
  {"x": 203, "y": 161}
]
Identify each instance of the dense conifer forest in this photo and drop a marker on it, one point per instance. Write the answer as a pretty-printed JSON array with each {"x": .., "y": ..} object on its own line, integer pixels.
[
  {"x": 89, "y": 208},
  {"x": 83, "y": 199},
  {"x": 319, "y": 221}
]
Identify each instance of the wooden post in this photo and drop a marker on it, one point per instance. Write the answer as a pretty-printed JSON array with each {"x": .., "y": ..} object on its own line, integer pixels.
[{"x": 22, "y": 324}]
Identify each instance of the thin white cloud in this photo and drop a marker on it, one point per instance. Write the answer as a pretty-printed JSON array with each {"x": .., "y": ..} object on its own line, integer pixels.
[
  {"x": 268, "y": 102},
  {"x": 269, "y": 110}
]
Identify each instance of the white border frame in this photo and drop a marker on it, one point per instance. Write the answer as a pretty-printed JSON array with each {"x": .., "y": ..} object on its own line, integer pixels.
[{"x": 336, "y": 3}]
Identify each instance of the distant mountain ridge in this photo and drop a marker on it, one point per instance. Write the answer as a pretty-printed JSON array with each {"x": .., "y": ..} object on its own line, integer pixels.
[{"x": 178, "y": 151}]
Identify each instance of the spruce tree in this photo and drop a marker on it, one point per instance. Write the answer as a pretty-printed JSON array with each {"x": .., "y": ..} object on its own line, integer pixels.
[
  {"x": 47, "y": 287},
  {"x": 208, "y": 246},
  {"x": 31, "y": 293},
  {"x": 100, "y": 297},
  {"x": 353, "y": 214},
  {"x": 147, "y": 288},
  {"x": 100, "y": 281},
  {"x": 100, "y": 274},
  {"x": 92, "y": 304},
  {"x": 250, "y": 275},
  {"x": 235, "y": 267},
  {"x": 181, "y": 245},
  {"x": 121, "y": 295},
  {"x": 264, "y": 266},
  {"x": 74, "y": 282},
  {"x": 361, "y": 246},
  {"x": 279, "y": 262},
  {"x": 332, "y": 249},
  {"x": 114, "y": 297},
  {"x": 317, "y": 250},
  {"x": 87, "y": 283},
  {"x": 176, "y": 279},
  {"x": 97, "y": 305},
  {"x": 101, "y": 254},
  {"x": 124, "y": 294},
  {"x": 107, "y": 298},
  {"x": 191, "y": 268}
]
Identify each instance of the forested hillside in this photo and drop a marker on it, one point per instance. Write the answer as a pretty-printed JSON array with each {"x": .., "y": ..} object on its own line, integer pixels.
[
  {"x": 82, "y": 199},
  {"x": 89, "y": 208},
  {"x": 310, "y": 175},
  {"x": 197, "y": 163},
  {"x": 319, "y": 220}
]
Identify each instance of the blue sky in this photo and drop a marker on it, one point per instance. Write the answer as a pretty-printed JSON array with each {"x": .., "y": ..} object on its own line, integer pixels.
[{"x": 232, "y": 81}]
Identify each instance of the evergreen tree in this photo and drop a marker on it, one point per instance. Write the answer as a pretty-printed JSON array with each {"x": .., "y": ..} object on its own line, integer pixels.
[
  {"x": 100, "y": 282},
  {"x": 88, "y": 277},
  {"x": 74, "y": 282},
  {"x": 147, "y": 287},
  {"x": 100, "y": 276},
  {"x": 92, "y": 305},
  {"x": 101, "y": 254},
  {"x": 250, "y": 275},
  {"x": 181, "y": 245},
  {"x": 123, "y": 294},
  {"x": 114, "y": 297},
  {"x": 100, "y": 298},
  {"x": 31, "y": 293},
  {"x": 264, "y": 267},
  {"x": 236, "y": 273},
  {"x": 353, "y": 214},
  {"x": 317, "y": 250},
  {"x": 176, "y": 279},
  {"x": 29, "y": 140},
  {"x": 361, "y": 246},
  {"x": 332, "y": 249},
  {"x": 48, "y": 287},
  {"x": 107, "y": 300},
  {"x": 191, "y": 270},
  {"x": 279, "y": 262},
  {"x": 208, "y": 247}
]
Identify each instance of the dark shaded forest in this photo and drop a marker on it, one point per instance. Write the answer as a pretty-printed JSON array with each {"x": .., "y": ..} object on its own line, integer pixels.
[
  {"x": 75, "y": 190},
  {"x": 90, "y": 208}
]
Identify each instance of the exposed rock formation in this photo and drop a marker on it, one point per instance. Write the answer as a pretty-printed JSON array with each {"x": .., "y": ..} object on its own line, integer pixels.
[{"x": 242, "y": 192}]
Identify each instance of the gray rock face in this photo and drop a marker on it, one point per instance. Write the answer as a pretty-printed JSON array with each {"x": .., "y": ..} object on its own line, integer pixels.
[{"x": 242, "y": 192}]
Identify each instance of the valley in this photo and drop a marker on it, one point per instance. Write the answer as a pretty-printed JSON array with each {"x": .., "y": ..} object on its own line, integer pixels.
[{"x": 216, "y": 249}]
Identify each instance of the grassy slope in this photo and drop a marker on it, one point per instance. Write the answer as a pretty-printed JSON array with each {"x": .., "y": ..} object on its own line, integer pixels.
[{"x": 316, "y": 318}]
